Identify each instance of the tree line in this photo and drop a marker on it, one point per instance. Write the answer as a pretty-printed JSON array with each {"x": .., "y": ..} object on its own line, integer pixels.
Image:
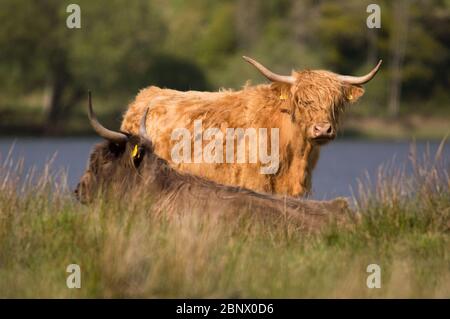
[{"x": 123, "y": 46}]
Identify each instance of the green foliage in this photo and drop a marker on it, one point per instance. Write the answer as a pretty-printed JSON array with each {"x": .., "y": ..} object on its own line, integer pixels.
[
  {"x": 29, "y": 50},
  {"x": 125, "y": 46},
  {"x": 218, "y": 40},
  {"x": 116, "y": 45},
  {"x": 176, "y": 73}
]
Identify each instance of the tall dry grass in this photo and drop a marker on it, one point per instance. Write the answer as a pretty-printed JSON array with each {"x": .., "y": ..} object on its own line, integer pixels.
[{"x": 126, "y": 251}]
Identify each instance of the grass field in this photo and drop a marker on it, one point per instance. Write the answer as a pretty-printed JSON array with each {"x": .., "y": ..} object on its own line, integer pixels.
[{"x": 125, "y": 251}]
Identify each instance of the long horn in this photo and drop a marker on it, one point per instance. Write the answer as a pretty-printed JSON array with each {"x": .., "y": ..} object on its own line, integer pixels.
[
  {"x": 143, "y": 127},
  {"x": 269, "y": 74},
  {"x": 109, "y": 135},
  {"x": 360, "y": 79}
]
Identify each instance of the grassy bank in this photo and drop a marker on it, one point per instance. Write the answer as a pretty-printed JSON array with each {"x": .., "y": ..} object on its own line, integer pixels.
[
  {"x": 415, "y": 126},
  {"x": 124, "y": 250}
]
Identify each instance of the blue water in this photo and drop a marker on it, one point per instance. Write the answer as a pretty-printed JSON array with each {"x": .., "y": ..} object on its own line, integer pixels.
[{"x": 341, "y": 162}]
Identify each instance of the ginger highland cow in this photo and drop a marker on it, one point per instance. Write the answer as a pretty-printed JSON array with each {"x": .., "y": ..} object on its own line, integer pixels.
[{"x": 305, "y": 106}]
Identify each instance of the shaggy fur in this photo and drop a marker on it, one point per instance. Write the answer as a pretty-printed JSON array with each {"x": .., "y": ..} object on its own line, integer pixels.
[
  {"x": 112, "y": 167},
  {"x": 315, "y": 97}
]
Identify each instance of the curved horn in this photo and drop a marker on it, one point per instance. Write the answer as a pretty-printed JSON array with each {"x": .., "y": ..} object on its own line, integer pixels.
[
  {"x": 109, "y": 135},
  {"x": 143, "y": 127},
  {"x": 269, "y": 74},
  {"x": 360, "y": 79}
]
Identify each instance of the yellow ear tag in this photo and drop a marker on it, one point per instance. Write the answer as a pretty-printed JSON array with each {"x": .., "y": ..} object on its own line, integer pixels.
[
  {"x": 134, "y": 153},
  {"x": 350, "y": 97},
  {"x": 283, "y": 95}
]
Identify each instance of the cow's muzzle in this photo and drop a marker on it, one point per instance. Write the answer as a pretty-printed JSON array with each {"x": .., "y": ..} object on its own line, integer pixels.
[{"x": 322, "y": 133}]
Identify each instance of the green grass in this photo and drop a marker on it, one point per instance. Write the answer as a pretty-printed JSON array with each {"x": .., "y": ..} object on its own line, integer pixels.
[{"x": 126, "y": 251}]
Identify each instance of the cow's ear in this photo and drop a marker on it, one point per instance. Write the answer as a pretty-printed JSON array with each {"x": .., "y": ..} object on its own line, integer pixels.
[
  {"x": 353, "y": 93},
  {"x": 281, "y": 90}
]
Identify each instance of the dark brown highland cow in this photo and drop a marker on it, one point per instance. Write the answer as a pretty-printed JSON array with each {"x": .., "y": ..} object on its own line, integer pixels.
[
  {"x": 127, "y": 165},
  {"x": 305, "y": 106}
]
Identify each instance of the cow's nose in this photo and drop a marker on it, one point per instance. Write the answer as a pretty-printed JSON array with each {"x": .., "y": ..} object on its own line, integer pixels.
[{"x": 323, "y": 130}]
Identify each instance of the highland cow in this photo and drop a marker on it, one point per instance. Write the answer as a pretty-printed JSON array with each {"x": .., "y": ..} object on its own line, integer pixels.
[
  {"x": 306, "y": 107},
  {"x": 126, "y": 164}
]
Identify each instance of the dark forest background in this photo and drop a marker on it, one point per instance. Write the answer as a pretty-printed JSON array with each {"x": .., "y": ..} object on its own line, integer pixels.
[{"x": 46, "y": 69}]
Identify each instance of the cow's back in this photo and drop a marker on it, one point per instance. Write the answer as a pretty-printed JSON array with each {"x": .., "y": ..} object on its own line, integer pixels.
[{"x": 171, "y": 109}]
